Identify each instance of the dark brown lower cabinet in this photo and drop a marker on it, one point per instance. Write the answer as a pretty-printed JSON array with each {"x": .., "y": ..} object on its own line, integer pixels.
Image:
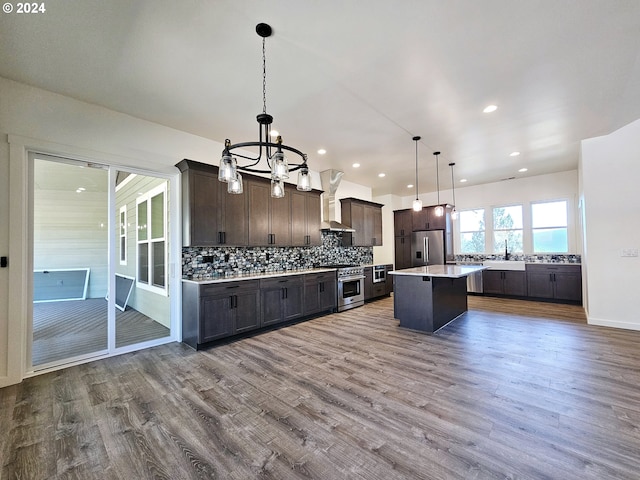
[
  {"x": 557, "y": 282},
  {"x": 377, "y": 289},
  {"x": 320, "y": 292},
  {"x": 504, "y": 282},
  {"x": 214, "y": 311},
  {"x": 281, "y": 299}
]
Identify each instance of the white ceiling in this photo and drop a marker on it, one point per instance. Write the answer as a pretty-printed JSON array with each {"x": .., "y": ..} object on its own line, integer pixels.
[{"x": 359, "y": 78}]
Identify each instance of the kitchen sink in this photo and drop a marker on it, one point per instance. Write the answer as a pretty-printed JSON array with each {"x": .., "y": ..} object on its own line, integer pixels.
[{"x": 504, "y": 264}]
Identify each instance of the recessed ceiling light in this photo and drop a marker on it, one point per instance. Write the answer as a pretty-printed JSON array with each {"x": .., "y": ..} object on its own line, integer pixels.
[
  {"x": 274, "y": 133},
  {"x": 523, "y": 170},
  {"x": 410, "y": 186},
  {"x": 81, "y": 189},
  {"x": 322, "y": 151},
  {"x": 514, "y": 154},
  {"x": 490, "y": 108},
  {"x": 463, "y": 180},
  {"x": 381, "y": 175},
  {"x": 356, "y": 165}
]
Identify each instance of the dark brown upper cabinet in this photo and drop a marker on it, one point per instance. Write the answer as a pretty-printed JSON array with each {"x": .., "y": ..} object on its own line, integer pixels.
[
  {"x": 213, "y": 217},
  {"x": 210, "y": 215},
  {"x": 305, "y": 217},
  {"x": 365, "y": 218}
]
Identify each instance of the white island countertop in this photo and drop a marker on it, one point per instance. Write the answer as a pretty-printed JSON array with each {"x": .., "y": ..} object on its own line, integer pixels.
[{"x": 446, "y": 271}]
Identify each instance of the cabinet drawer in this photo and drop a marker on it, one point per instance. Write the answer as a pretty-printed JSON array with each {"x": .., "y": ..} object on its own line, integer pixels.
[
  {"x": 553, "y": 268},
  {"x": 228, "y": 287},
  {"x": 281, "y": 281},
  {"x": 312, "y": 278}
]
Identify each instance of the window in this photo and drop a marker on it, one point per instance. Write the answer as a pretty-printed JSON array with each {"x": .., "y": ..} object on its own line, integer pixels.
[
  {"x": 507, "y": 229},
  {"x": 549, "y": 227},
  {"x": 151, "y": 232},
  {"x": 472, "y": 237},
  {"x": 123, "y": 235}
]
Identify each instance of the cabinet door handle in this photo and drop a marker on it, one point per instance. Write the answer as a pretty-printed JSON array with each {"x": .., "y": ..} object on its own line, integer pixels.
[
  {"x": 224, "y": 237},
  {"x": 284, "y": 293},
  {"x": 219, "y": 237},
  {"x": 321, "y": 285}
]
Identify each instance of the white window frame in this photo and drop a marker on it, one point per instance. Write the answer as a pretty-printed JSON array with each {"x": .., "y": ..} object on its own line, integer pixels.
[
  {"x": 566, "y": 227},
  {"x": 123, "y": 245},
  {"x": 146, "y": 197}
]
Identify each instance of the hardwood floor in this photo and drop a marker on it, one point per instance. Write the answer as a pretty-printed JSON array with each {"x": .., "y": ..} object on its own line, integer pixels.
[{"x": 495, "y": 394}]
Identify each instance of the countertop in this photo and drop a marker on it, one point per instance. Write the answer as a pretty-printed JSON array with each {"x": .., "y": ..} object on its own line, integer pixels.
[
  {"x": 447, "y": 271},
  {"x": 256, "y": 276}
]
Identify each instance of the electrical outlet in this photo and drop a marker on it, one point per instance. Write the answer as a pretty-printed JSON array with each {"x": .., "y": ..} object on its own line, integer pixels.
[{"x": 629, "y": 252}]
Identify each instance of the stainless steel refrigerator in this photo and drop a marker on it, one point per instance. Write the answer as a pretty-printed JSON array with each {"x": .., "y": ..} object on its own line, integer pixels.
[{"x": 427, "y": 248}]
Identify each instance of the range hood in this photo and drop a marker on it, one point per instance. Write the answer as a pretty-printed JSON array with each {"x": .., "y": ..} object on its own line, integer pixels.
[{"x": 330, "y": 179}]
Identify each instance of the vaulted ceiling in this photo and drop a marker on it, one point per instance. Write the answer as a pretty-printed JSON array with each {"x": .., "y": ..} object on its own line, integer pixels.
[{"x": 357, "y": 78}]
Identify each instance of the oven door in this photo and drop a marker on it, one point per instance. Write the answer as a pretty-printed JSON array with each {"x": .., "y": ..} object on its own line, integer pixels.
[{"x": 350, "y": 292}]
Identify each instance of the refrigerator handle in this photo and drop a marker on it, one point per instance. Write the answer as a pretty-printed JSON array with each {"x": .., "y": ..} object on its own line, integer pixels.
[{"x": 426, "y": 250}]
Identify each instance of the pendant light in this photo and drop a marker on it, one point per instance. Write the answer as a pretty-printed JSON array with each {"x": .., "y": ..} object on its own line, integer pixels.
[
  {"x": 272, "y": 152},
  {"x": 454, "y": 212},
  {"x": 417, "y": 203},
  {"x": 439, "y": 210}
]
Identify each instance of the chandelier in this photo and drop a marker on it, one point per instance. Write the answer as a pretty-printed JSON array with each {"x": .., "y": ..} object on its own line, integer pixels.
[{"x": 276, "y": 162}]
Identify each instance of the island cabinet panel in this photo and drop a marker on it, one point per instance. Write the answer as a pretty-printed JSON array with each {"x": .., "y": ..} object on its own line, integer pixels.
[
  {"x": 504, "y": 282},
  {"x": 270, "y": 218},
  {"x": 428, "y": 303},
  {"x": 281, "y": 299},
  {"x": 320, "y": 292},
  {"x": 365, "y": 218},
  {"x": 305, "y": 217},
  {"x": 214, "y": 311},
  {"x": 210, "y": 215},
  {"x": 553, "y": 281}
]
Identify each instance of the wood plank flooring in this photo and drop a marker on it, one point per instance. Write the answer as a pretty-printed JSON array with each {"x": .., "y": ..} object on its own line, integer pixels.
[{"x": 509, "y": 390}]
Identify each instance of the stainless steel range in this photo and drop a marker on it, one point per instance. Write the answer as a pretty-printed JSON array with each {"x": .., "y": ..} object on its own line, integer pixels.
[{"x": 350, "y": 287}]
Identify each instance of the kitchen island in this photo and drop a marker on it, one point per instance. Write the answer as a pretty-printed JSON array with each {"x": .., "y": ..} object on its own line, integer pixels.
[{"x": 428, "y": 298}]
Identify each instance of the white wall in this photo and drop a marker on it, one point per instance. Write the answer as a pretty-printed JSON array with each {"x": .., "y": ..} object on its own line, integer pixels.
[{"x": 610, "y": 171}]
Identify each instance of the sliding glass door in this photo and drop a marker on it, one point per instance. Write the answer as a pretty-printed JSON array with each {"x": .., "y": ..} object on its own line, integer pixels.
[
  {"x": 141, "y": 280},
  {"x": 97, "y": 230}
]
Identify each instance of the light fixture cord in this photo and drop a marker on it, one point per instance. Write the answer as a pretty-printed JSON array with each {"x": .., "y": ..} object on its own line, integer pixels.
[
  {"x": 264, "y": 77},
  {"x": 453, "y": 187},
  {"x": 416, "y": 170},
  {"x": 438, "y": 179}
]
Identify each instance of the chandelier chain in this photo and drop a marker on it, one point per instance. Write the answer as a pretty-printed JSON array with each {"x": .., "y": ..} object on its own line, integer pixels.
[{"x": 264, "y": 78}]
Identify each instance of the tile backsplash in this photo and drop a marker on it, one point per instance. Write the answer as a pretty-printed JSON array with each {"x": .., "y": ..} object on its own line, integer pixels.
[{"x": 211, "y": 262}]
